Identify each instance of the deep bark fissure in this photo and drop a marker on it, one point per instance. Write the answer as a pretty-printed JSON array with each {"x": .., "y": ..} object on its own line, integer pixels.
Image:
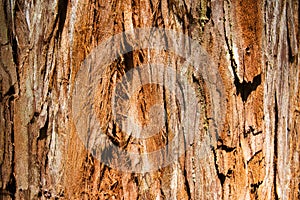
[
  {"x": 166, "y": 119},
  {"x": 12, "y": 185},
  {"x": 43, "y": 131},
  {"x": 62, "y": 13},
  {"x": 221, "y": 176},
  {"x": 225, "y": 147},
  {"x": 243, "y": 88},
  {"x": 186, "y": 183}
]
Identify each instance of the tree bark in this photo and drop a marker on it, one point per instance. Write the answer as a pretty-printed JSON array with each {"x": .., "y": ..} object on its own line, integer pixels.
[{"x": 254, "y": 45}]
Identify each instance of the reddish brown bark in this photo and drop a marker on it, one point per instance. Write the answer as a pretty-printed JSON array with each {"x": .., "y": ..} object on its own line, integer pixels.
[{"x": 255, "y": 48}]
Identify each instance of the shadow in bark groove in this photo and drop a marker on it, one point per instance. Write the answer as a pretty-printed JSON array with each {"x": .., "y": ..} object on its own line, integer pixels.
[
  {"x": 245, "y": 88},
  {"x": 221, "y": 176},
  {"x": 62, "y": 12},
  {"x": 224, "y": 147}
]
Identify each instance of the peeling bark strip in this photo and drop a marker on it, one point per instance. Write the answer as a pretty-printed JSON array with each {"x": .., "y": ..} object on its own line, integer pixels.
[{"x": 255, "y": 46}]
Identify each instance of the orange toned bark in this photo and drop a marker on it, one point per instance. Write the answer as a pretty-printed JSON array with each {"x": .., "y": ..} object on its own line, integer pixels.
[{"x": 255, "y": 46}]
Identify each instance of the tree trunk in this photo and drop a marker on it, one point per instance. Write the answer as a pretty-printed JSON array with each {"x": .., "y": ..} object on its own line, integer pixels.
[{"x": 252, "y": 152}]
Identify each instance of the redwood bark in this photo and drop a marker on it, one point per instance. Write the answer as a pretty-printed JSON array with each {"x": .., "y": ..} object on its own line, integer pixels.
[{"x": 255, "y": 46}]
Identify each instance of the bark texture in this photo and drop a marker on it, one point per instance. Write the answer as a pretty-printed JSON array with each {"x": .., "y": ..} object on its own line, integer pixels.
[{"x": 255, "y": 45}]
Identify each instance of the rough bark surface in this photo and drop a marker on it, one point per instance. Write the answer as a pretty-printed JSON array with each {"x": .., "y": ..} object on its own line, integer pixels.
[{"x": 255, "y": 45}]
